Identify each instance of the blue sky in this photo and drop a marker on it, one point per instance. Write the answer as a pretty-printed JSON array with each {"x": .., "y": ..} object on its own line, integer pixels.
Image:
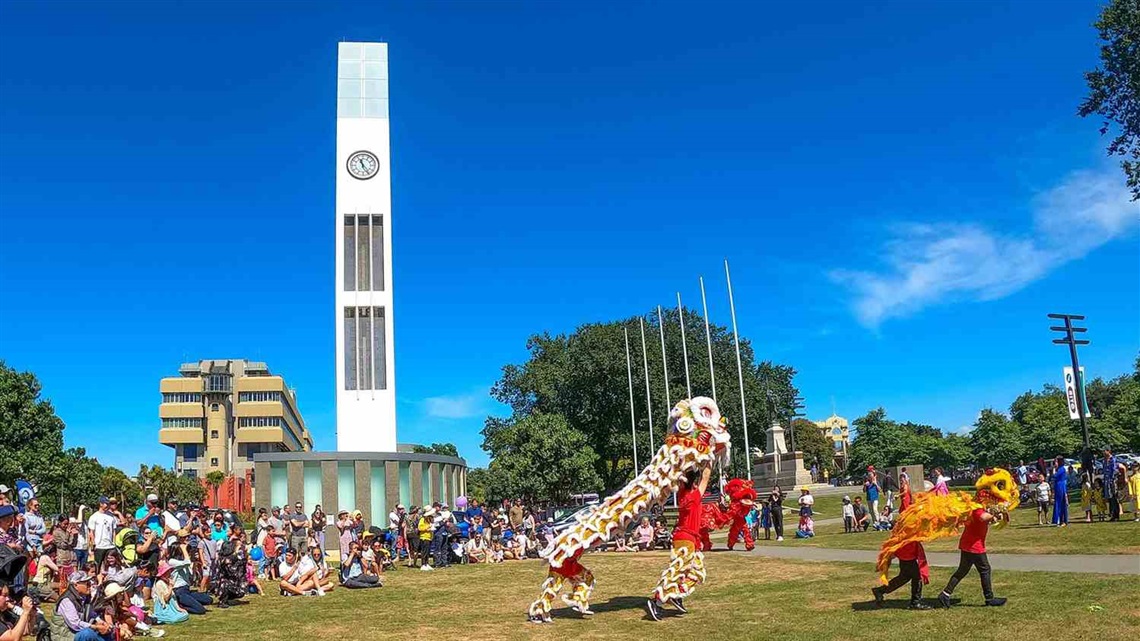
[{"x": 904, "y": 191}]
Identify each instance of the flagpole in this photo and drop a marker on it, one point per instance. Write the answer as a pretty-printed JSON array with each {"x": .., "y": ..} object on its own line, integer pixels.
[
  {"x": 708, "y": 336},
  {"x": 632, "y": 419},
  {"x": 739, "y": 371},
  {"x": 684, "y": 346},
  {"x": 664, "y": 365},
  {"x": 645, "y": 364}
]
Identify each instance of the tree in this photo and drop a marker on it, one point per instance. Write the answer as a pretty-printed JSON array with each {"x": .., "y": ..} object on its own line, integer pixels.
[
  {"x": 949, "y": 453},
  {"x": 31, "y": 433},
  {"x": 541, "y": 457},
  {"x": 214, "y": 480},
  {"x": 817, "y": 447},
  {"x": 77, "y": 481},
  {"x": 443, "y": 449},
  {"x": 477, "y": 479},
  {"x": 1120, "y": 425},
  {"x": 1046, "y": 428},
  {"x": 995, "y": 440},
  {"x": 115, "y": 483},
  {"x": 582, "y": 377},
  {"x": 1114, "y": 86},
  {"x": 880, "y": 442}
]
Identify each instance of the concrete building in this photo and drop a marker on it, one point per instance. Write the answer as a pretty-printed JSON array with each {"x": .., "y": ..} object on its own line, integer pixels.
[
  {"x": 365, "y": 363},
  {"x": 372, "y": 482},
  {"x": 218, "y": 413},
  {"x": 837, "y": 429}
]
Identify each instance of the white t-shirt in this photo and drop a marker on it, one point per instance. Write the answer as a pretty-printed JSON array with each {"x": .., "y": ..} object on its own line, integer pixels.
[
  {"x": 848, "y": 510},
  {"x": 393, "y": 520},
  {"x": 102, "y": 526},
  {"x": 807, "y": 499},
  {"x": 304, "y": 565},
  {"x": 1042, "y": 491}
]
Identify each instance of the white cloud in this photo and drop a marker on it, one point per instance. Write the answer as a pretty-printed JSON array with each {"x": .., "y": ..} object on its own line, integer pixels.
[
  {"x": 930, "y": 264},
  {"x": 457, "y": 406}
]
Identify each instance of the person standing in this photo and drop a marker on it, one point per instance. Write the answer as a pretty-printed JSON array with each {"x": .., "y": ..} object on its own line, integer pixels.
[
  {"x": 1022, "y": 474},
  {"x": 686, "y": 568},
  {"x": 1111, "y": 469},
  {"x": 871, "y": 486},
  {"x": 776, "y": 503},
  {"x": 101, "y": 531},
  {"x": 1042, "y": 495},
  {"x": 941, "y": 483},
  {"x": 298, "y": 524},
  {"x": 515, "y": 514},
  {"x": 972, "y": 550},
  {"x": 34, "y": 526},
  {"x": 319, "y": 521},
  {"x": 1060, "y": 493}
]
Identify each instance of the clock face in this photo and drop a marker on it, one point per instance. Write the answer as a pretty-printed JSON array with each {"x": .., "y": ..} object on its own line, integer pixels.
[{"x": 363, "y": 165}]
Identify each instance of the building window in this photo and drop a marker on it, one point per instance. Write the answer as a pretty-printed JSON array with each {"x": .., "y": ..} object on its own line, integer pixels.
[
  {"x": 190, "y": 453},
  {"x": 365, "y": 348},
  {"x": 350, "y": 348},
  {"x": 213, "y": 462},
  {"x": 259, "y": 421},
  {"x": 181, "y": 397},
  {"x": 190, "y": 473},
  {"x": 182, "y": 422},
  {"x": 218, "y": 383},
  {"x": 259, "y": 397},
  {"x": 362, "y": 81},
  {"x": 214, "y": 407},
  {"x": 213, "y": 433},
  {"x": 363, "y": 253}
]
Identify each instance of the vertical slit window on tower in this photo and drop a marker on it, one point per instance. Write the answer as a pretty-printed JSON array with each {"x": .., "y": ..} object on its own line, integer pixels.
[
  {"x": 365, "y": 348},
  {"x": 363, "y": 264},
  {"x": 350, "y": 348},
  {"x": 350, "y": 253},
  {"x": 377, "y": 253},
  {"x": 379, "y": 358}
]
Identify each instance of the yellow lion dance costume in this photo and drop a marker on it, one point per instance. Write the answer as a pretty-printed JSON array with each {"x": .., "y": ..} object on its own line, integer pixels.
[
  {"x": 697, "y": 437},
  {"x": 934, "y": 516}
]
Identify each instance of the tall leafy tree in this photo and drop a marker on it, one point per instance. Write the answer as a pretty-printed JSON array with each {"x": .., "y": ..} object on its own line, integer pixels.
[
  {"x": 818, "y": 448},
  {"x": 1114, "y": 86},
  {"x": 582, "y": 377},
  {"x": 115, "y": 483},
  {"x": 477, "y": 478},
  {"x": 30, "y": 432},
  {"x": 540, "y": 457},
  {"x": 879, "y": 441},
  {"x": 1045, "y": 425},
  {"x": 996, "y": 440}
]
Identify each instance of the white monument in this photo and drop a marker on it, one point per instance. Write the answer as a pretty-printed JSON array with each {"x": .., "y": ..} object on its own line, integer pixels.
[
  {"x": 365, "y": 365},
  {"x": 777, "y": 465}
]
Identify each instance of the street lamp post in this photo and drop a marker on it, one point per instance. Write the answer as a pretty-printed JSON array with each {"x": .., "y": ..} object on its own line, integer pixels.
[{"x": 1069, "y": 329}]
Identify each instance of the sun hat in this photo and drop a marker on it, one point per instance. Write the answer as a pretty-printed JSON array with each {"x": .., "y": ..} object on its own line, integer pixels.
[
  {"x": 112, "y": 589},
  {"x": 80, "y": 577},
  {"x": 429, "y": 512},
  {"x": 164, "y": 568},
  {"x": 356, "y": 513}
]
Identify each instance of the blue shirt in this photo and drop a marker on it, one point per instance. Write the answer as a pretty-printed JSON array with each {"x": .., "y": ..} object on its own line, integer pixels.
[
  {"x": 153, "y": 522},
  {"x": 1060, "y": 481},
  {"x": 872, "y": 492}
]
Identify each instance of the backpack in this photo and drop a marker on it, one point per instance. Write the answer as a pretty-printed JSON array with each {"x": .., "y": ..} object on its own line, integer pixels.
[{"x": 12, "y": 566}]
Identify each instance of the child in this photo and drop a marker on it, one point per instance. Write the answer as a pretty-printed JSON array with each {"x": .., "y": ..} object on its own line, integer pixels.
[
  {"x": 165, "y": 608},
  {"x": 252, "y": 586},
  {"x": 912, "y": 569},
  {"x": 972, "y": 547},
  {"x": 496, "y": 552},
  {"x": 806, "y": 528},
  {"x": 1099, "y": 500},
  {"x": 1042, "y": 501},
  {"x": 848, "y": 516}
]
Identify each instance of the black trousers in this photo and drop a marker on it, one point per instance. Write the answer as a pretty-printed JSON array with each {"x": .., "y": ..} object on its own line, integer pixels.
[
  {"x": 778, "y": 521},
  {"x": 908, "y": 571},
  {"x": 972, "y": 560}
]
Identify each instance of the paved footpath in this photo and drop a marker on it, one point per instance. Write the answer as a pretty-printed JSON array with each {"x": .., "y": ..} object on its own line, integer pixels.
[{"x": 1081, "y": 563}]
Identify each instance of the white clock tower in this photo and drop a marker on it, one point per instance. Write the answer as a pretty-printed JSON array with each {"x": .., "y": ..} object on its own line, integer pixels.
[{"x": 365, "y": 362}]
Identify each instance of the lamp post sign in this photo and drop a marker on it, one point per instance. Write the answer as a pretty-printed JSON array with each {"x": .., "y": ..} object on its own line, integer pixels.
[{"x": 1071, "y": 397}]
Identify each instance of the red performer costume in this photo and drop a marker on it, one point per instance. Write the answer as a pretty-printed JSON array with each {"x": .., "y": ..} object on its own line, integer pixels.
[{"x": 743, "y": 497}]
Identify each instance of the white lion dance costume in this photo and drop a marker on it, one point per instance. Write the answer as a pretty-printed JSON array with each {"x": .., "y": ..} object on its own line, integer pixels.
[{"x": 697, "y": 436}]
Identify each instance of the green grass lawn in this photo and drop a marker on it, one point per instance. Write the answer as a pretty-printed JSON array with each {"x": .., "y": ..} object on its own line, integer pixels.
[
  {"x": 1022, "y": 536},
  {"x": 746, "y": 597}
]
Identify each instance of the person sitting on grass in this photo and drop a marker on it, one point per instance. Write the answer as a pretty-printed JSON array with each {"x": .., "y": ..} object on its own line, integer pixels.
[
  {"x": 352, "y": 574},
  {"x": 252, "y": 585},
  {"x": 476, "y": 550},
  {"x": 806, "y": 528},
  {"x": 862, "y": 519},
  {"x": 14, "y": 627},
  {"x": 181, "y": 561},
  {"x": 497, "y": 553},
  {"x": 323, "y": 575},
  {"x": 661, "y": 536},
  {"x": 297, "y": 575},
  {"x": 1042, "y": 496},
  {"x": 512, "y": 551},
  {"x": 164, "y": 607},
  {"x": 886, "y": 520},
  {"x": 644, "y": 534}
]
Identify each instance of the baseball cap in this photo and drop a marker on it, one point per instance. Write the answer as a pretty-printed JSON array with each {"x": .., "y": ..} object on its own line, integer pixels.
[
  {"x": 104, "y": 500},
  {"x": 400, "y": 506},
  {"x": 152, "y": 498},
  {"x": 4, "y": 489},
  {"x": 7, "y": 510}
]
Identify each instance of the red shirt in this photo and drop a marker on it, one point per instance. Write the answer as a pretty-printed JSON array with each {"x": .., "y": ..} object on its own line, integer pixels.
[
  {"x": 688, "y": 514},
  {"x": 974, "y": 537}
]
